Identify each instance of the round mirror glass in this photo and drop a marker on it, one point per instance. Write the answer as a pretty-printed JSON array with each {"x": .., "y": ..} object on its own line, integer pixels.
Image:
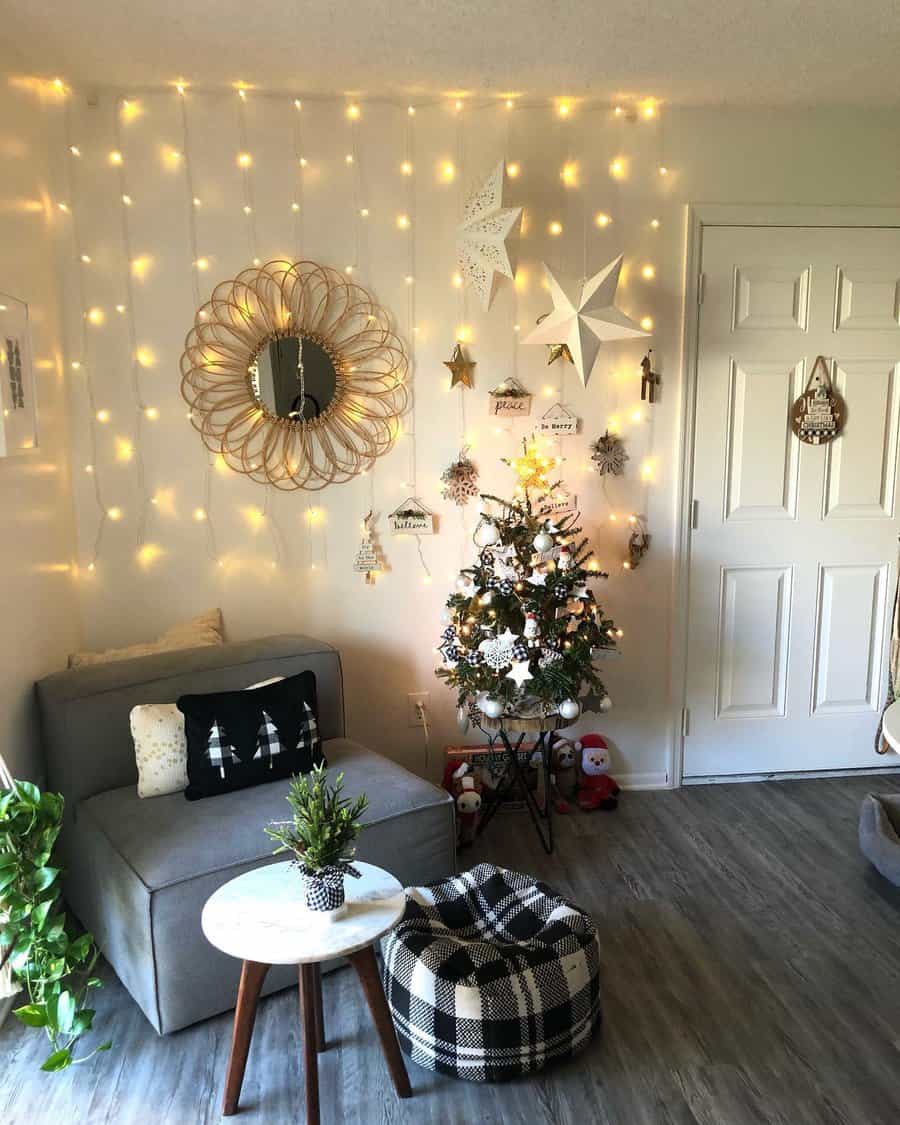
[{"x": 293, "y": 377}]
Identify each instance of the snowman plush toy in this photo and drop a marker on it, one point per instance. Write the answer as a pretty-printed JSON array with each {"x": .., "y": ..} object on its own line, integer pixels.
[{"x": 596, "y": 789}]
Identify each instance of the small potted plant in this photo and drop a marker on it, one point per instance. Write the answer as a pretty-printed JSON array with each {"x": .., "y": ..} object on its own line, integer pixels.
[{"x": 320, "y": 835}]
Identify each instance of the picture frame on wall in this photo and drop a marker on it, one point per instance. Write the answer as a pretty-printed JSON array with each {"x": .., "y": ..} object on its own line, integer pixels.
[{"x": 18, "y": 405}]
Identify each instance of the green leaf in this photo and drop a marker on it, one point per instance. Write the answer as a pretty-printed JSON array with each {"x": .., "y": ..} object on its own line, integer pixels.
[
  {"x": 34, "y": 1015},
  {"x": 28, "y": 794},
  {"x": 65, "y": 1011},
  {"x": 82, "y": 1022},
  {"x": 39, "y": 914},
  {"x": 105, "y": 1046},
  {"x": 59, "y": 1060},
  {"x": 8, "y": 876},
  {"x": 43, "y": 877},
  {"x": 81, "y": 947}
]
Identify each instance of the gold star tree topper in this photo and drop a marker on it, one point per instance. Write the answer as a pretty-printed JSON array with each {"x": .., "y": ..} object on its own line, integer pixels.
[
  {"x": 585, "y": 316},
  {"x": 461, "y": 369},
  {"x": 487, "y": 238}
]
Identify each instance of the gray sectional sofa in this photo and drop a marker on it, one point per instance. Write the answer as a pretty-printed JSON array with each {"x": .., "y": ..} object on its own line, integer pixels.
[{"x": 137, "y": 872}]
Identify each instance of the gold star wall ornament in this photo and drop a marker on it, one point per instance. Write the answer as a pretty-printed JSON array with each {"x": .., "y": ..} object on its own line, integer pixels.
[
  {"x": 584, "y": 316},
  {"x": 487, "y": 238},
  {"x": 555, "y": 351},
  {"x": 461, "y": 369}
]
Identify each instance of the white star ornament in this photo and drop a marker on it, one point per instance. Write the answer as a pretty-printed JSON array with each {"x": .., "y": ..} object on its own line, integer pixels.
[
  {"x": 584, "y": 316},
  {"x": 486, "y": 239}
]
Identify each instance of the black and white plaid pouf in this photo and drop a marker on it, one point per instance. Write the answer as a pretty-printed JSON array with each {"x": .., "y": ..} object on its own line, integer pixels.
[{"x": 491, "y": 974}]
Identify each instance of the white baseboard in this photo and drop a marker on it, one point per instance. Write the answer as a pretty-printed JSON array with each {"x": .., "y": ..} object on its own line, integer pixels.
[
  {"x": 788, "y": 775},
  {"x": 654, "y": 780}
]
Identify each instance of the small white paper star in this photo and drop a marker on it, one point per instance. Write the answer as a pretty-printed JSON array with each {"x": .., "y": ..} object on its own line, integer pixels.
[
  {"x": 507, "y": 638},
  {"x": 485, "y": 239},
  {"x": 580, "y": 592},
  {"x": 537, "y": 577},
  {"x": 519, "y": 672},
  {"x": 503, "y": 571},
  {"x": 584, "y": 316},
  {"x": 469, "y": 590}
]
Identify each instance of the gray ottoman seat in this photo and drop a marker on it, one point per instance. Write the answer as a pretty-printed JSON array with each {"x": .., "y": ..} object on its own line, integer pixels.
[
  {"x": 879, "y": 833},
  {"x": 137, "y": 872},
  {"x": 492, "y": 974}
]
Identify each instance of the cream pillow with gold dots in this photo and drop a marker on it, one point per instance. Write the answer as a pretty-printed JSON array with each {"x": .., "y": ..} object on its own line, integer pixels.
[
  {"x": 160, "y": 749},
  {"x": 160, "y": 746}
]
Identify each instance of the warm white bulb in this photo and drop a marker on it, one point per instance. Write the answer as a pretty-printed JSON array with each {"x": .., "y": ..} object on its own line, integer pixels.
[
  {"x": 349, "y": 158},
  {"x": 602, "y": 219},
  {"x": 512, "y": 170},
  {"x": 127, "y": 200},
  {"x": 364, "y": 212},
  {"x": 663, "y": 170},
  {"x": 115, "y": 157},
  {"x": 298, "y": 104},
  {"x": 411, "y": 110},
  {"x": 295, "y": 206},
  {"x": 617, "y": 168},
  {"x": 75, "y": 150},
  {"x": 648, "y": 272},
  {"x": 353, "y": 112},
  {"x": 654, "y": 223},
  {"x": 403, "y": 222},
  {"x": 247, "y": 208},
  {"x": 647, "y": 323},
  {"x": 152, "y": 413},
  {"x": 406, "y": 168},
  {"x": 555, "y": 228}
]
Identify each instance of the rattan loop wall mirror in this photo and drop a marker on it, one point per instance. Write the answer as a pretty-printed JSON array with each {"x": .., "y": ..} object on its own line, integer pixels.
[{"x": 293, "y": 374}]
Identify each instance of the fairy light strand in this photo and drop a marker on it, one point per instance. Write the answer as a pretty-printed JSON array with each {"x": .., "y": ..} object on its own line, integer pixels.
[
  {"x": 245, "y": 163},
  {"x": 191, "y": 202},
  {"x": 72, "y": 185},
  {"x": 135, "y": 366},
  {"x": 297, "y": 207}
]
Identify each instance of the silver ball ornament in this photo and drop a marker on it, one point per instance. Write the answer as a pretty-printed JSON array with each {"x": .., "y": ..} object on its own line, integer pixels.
[
  {"x": 493, "y": 708},
  {"x": 487, "y": 534},
  {"x": 569, "y": 709},
  {"x": 543, "y": 541}
]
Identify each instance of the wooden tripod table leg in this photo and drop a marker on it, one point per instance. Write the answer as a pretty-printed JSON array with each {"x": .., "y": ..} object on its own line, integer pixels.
[
  {"x": 253, "y": 973},
  {"x": 367, "y": 970},
  {"x": 320, "y": 1014},
  {"x": 308, "y": 990}
]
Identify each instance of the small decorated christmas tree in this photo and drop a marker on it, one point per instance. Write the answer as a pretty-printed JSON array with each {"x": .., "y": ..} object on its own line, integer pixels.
[{"x": 523, "y": 626}]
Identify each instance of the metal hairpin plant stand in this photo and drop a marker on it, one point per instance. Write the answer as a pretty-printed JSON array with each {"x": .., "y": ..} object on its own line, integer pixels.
[{"x": 507, "y": 730}]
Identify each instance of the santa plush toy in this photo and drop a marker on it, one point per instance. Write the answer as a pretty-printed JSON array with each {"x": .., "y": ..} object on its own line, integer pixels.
[
  {"x": 531, "y": 631},
  {"x": 596, "y": 789},
  {"x": 468, "y": 803}
]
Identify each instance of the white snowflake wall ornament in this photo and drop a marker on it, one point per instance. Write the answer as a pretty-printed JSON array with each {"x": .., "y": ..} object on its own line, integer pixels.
[
  {"x": 486, "y": 239},
  {"x": 609, "y": 456},
  {"x": 585, "y": 316}
]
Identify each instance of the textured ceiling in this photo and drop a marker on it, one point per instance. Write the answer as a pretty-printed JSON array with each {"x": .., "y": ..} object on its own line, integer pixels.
[{"x": 684, "y": 51}]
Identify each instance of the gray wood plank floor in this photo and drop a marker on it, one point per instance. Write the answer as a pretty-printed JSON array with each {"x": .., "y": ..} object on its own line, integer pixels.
[{"x": 751, "y": 974}]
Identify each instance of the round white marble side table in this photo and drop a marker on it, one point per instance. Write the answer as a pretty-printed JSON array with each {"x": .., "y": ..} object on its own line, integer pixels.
[
  {"x": 262, "y": 919},
  {"x": 890, "y": 727}
]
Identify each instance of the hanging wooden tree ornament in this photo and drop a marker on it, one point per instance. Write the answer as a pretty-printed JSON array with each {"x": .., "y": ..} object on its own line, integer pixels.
[
  {"x": 367, "y": 559},
  {"x": 818, "y": 415}
]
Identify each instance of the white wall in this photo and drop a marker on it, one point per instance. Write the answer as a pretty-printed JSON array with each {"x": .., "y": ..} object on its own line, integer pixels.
[
  {"x": 37, "y": 600},
  {"x": 387, "y": 632}
]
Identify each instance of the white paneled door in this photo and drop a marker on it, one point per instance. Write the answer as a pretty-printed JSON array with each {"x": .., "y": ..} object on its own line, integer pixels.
[{"x": 794, "y": 548}]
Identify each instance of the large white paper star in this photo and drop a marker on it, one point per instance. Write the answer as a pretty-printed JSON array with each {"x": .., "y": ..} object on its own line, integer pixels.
[
  {"x": 519, "y": 672},
  {"x": 486, "y": 238},
  {"x": 585, "y": 316}
]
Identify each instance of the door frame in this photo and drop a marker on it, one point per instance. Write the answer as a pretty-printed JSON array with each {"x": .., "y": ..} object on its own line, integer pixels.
[{"x": 699, "y": 216}]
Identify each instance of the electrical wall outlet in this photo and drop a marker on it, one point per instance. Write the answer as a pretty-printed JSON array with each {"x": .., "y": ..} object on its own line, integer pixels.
[{"x": 417, "y": 700}]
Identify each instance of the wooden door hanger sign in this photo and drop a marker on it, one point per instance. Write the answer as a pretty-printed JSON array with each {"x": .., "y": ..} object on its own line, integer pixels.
[{"x": 817, "y": 416}]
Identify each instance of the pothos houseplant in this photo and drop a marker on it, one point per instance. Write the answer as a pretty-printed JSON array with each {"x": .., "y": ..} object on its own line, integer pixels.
[
  {"x": 320, "y": 835},
  {"x": 45, "y": 958}
]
